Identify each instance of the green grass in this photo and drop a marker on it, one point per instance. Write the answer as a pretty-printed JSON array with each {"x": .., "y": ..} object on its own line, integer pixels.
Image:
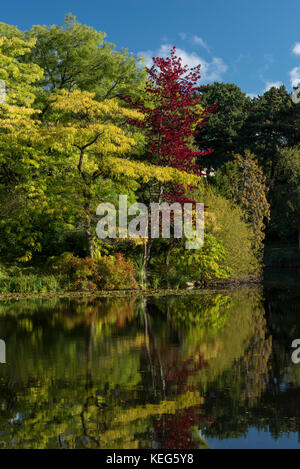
[{"x": 33, "y": 283}]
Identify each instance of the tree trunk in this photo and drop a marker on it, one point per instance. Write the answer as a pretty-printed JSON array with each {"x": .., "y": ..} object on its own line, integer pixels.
[
  {"x": 88, "y": 237},
  {"x": 148, "y": 245},
  {"x": 87, "y": 226},
  {"x": 170, "y": 248},
  {"x": 146, "y": 259}
]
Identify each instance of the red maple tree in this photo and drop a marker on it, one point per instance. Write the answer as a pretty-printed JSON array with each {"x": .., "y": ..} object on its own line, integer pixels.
[{"x": 173, "y": 116}]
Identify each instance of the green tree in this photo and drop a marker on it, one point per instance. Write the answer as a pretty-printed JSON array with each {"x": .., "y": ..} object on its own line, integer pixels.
[
  {"x": 76, "y": 56},
  {"x": 244, "y": 183},
  {"x": 223, "y": 129},
  {"x": 269, "y": 127},
  {"x": 285, "y": 208}
]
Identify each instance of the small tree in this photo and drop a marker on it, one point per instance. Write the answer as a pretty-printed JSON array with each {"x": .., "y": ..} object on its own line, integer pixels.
[
  {"x": 172, "y": 111},
  {"x": 244, "y": 182}
]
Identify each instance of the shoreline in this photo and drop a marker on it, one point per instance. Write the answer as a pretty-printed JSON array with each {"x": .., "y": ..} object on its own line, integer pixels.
[{"x": 213, "y": 287}]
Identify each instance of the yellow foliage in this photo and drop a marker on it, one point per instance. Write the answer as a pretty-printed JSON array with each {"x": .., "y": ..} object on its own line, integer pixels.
[{"x": 118, "y": 167}]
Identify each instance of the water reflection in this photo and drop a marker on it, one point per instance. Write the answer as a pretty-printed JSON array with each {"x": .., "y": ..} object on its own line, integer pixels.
[{"x": 162, "y": 372}]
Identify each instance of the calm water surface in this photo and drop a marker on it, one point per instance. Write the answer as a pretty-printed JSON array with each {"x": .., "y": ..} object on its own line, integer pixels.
[{"x": 212, "y": 370}]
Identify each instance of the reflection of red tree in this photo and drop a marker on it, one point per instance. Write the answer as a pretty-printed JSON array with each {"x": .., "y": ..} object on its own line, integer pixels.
[
  {"x": 174, "y": 431},
  {"x": 188, "y": 368}
]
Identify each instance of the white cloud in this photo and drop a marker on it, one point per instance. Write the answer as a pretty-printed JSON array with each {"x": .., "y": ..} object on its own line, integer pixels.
[
  {"x": 198, "y": 41},
  {"x": 295, "y": 76},
  {"x": 195, "y": 40},
  {"x": 147, "y": 55},
  {"x": 210, "y": 70},
  {"x": 296, "y": 48},
  {"x": 271, "y": 84},
  {"x": 214, "y": 70}
]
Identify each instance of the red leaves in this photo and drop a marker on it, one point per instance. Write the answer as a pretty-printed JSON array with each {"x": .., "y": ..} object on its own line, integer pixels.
[
  {"x": 174, "y": 431},
  {"x": 171, "y": 124}
]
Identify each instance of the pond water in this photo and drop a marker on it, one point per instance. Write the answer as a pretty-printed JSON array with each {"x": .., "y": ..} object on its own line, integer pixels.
[{"x": 208, "y": 370}]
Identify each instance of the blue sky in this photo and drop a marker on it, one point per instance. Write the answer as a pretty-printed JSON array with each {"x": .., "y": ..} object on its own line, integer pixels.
[{"x": 253, "y": 43}]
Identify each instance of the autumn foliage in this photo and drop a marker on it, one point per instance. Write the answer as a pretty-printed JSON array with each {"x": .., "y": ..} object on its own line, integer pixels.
[
  {"x": 172, "y": 111},
  {"x": 108, "y": 272}
]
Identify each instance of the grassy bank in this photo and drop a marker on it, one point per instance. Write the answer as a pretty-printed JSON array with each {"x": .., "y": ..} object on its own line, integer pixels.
[
  {"x": 27, "y": 280},
  {"x": 122, "y": 293},
  {"x": 35, "y": 282}
]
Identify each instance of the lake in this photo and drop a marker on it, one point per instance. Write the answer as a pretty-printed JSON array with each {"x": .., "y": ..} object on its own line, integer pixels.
[{"x": 205, "y": 370}]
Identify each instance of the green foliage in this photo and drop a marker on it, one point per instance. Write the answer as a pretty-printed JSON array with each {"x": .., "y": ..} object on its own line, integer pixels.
[
  {"x": 67, "y": 143},
  {"x": 199, "y": 265},
  {"x": 244, "y": 183},
  {"x": 33, "y": 283},
  {"x": 269, "y": 127},
  {"x": 226, "y": 223},
  {"x": 21, "y": 148},
  {"x": 285, "y": 207},
  {"x": 223, "y": 129},
  {"x": 75, "y": 56}
]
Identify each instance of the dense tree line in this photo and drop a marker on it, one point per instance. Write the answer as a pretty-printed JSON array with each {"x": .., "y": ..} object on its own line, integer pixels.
[
  {"x": 268, "y": 126},
  {"x": 83, "y": 122}
]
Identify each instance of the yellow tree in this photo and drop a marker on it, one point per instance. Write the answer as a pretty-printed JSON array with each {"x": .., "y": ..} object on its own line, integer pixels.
[
  {"x": 20, "y": 144},
  {"x": 91, "y": 141}
]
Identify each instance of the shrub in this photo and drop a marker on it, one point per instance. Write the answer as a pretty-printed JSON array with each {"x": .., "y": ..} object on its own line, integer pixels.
[
  {"x": 107, "y": 272},
  {"x": 203, "y": 264},
  {"x": 82, "y": 272},
  {"x": 225, "y": 221},
  {"x": 198, "y": 266},
  {"x": 227, "y": 252},
  {"x": 117, "y": 272}
]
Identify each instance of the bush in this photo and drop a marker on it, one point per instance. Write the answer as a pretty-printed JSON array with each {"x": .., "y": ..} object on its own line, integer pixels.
[
  {"x": 201, "y": 265},
  {"x": 81, "y": 272},
  {"x": 107, "y": 272},
  {"x": 227, "y": 252},
  {"x": 225, "y": 221},
  {"x": 117, "y": 272},
  {"x": 197, "y": 266}
]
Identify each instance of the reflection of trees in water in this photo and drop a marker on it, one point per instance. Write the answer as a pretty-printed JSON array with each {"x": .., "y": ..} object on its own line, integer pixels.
[
  {"x": 255, "y": 365},
  {"x": 173, "y": 430},
  {"x": 241, "y": 397},
  {"x": 238, "y": 343},
  {"x": 120, "y": 373}
]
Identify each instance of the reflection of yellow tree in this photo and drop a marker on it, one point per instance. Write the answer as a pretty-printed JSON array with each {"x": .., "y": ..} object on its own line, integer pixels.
[
  {"x": 210, "y": 311},
  {"x": 256, "y": 363},
  {"x": 68, "y": 417},
  {"x": 125, "y": 425},
  {"x": 223, "y": 329},
  {"x": 77, "y": 382}
]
